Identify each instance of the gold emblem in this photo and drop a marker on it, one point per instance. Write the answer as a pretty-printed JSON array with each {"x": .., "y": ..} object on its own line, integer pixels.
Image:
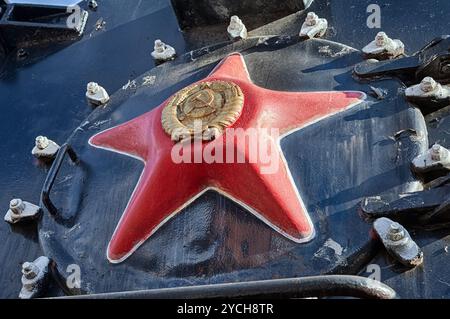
[{"x": 208, "y": 107}]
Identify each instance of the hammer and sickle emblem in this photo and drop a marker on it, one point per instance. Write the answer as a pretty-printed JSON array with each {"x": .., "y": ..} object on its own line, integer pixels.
[
  {"x": 217, "y": 104},
  {"x": 200, "y": 104}
]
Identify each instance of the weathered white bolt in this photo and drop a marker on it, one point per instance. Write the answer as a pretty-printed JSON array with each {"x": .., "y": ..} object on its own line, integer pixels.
[
  {"x": 395, "y": 227},
  {"x": 237, "y": 29},
  {"x": 436, "y": 156},
  {"x": 93, "y": 88},
  {"x": 313, "y": 26},
  {"x": 311, "y": 19},
  {"x": 30, "y": 270},
  {"x": 20, "y": 210},
  {"x": 159, "y": 46},
  {"x": 16, "y": 206},
  {"x": 383, "y": 47},
  {"x": 44, "y": 148},
  {"x": 42, "y": 142},
  {"x": 436, "y": 152},
  {"x": 96, "y": 94},
  {"x": 381, "y": 39},
  {"x": 396, "y": 232},
  {"x": 428, "y": 84},
  {"x": 163, "y": 51}
]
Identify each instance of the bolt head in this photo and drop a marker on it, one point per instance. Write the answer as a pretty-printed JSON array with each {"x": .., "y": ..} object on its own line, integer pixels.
[
  {"x": 16, "y": 206},
  {"x": 42, "y": 142},
  {"x": 93, "y": 88},
  {"x": 29, "y": 270},
  {"x": 381, "y": 39},
  {"x": 235, "y": 19},
  {"x": 311, "y": 19},
  {"x": 15, "y": 202},
  {"x": 396, "y": 232},
  {"x": 436, "y": 152},
  {"x": 437, "y": 148},
  {"x": 428, "y": 84},
  {"x": 159, "y": 46},
  {"x": 395, "y": 228}
]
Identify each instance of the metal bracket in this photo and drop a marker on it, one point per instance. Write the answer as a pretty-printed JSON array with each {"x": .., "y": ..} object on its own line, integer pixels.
[
  {"x": 53, "y": 173},
  {"x": 432, "y": 164},
  {"x": 429, "y": 95},
  {"x": 428, "y": 208},
  {"x": 20, "y": 211},
  {"x": 433, "y": 60},
  {"x": 28, "y": 24},
  {"x": 398, "y": 242},
  {"x": 35, "y": 277}
]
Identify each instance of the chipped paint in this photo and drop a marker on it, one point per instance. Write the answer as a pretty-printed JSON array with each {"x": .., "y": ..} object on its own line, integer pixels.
[
  {"x": 130, "y": 85},
  {"x": 330, "y": 243},
  {"x": 323, "y": 252},
  {"x": 148, "y": 80}
]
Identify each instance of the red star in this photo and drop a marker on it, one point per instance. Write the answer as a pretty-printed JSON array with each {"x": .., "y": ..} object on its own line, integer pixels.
[{"x": 165, "y": 188}]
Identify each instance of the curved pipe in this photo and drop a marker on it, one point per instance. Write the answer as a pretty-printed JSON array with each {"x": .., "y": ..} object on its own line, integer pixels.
[
  {"x": 319, "y": 286},
  {"x": 53, "y": 173}
]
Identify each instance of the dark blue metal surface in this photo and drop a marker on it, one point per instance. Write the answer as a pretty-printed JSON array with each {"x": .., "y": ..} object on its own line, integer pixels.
[
  {"x": 45, "y": 95},
  {"x": 213, "y": 240}
]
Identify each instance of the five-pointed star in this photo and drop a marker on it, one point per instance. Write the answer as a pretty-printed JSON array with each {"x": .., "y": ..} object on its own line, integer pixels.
[{"x": 165, "y": 187}]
